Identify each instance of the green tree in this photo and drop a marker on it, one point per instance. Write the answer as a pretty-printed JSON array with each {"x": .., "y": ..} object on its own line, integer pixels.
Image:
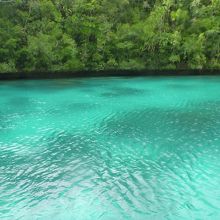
[{"x": 101, "y": 34}]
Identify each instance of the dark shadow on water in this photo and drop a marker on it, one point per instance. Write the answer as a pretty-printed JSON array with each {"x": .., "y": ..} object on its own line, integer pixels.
[
  {"x": 59, "y": 84},
  {"x": 18, "y": 102},
  {"x": 181, "y": 86},
  {"x": 163, "y": 126},
  {"x": 81, "y": 106},
  {"x": 46, "y": 85},
  {"x": 72, "y": 108},
  {"x": 123, "y": 91}
]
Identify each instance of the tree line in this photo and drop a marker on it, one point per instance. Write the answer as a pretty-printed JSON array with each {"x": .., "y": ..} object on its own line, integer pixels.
[{"x": 59, "y": 35}]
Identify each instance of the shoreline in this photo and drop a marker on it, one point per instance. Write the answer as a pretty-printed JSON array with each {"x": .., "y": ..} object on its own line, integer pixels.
[{"x": 104, "y": 73}]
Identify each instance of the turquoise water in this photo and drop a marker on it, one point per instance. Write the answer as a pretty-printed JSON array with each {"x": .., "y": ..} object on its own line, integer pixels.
[{"x": 110, "y": 149}]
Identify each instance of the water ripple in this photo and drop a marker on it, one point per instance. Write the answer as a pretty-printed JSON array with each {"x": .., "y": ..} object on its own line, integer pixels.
[{"x": 110, "y": 149}]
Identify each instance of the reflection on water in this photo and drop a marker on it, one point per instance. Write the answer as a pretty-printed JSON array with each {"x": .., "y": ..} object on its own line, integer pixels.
[{"x": 126, "y": 148}]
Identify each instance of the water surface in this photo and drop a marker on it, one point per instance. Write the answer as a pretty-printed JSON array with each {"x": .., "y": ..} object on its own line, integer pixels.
[{"x": 110, "y": 148}]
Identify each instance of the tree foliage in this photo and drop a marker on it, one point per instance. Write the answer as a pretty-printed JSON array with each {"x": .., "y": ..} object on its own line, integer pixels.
[{"x": 102, "y": 34}]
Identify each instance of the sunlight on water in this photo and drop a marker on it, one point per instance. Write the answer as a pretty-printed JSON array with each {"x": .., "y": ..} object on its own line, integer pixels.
[{"x": 110, "y": 148}]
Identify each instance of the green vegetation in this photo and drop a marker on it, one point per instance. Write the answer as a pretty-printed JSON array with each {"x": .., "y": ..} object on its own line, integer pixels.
[{"x": 109, "y": 34}]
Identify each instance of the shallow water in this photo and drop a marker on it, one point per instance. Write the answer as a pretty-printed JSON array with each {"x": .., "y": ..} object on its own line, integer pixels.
[{"x": 110, "y": 148}]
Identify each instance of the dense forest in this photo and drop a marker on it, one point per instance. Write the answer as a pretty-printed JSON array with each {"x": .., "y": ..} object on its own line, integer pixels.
[{"x": 60, "y": 35}]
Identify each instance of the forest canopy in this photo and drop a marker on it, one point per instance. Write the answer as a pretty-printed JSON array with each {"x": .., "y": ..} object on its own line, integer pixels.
[{"x": 61, "y": 35}]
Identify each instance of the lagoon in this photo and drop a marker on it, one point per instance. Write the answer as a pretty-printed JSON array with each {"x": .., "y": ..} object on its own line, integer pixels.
[{"x": 110, "y": 148}]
